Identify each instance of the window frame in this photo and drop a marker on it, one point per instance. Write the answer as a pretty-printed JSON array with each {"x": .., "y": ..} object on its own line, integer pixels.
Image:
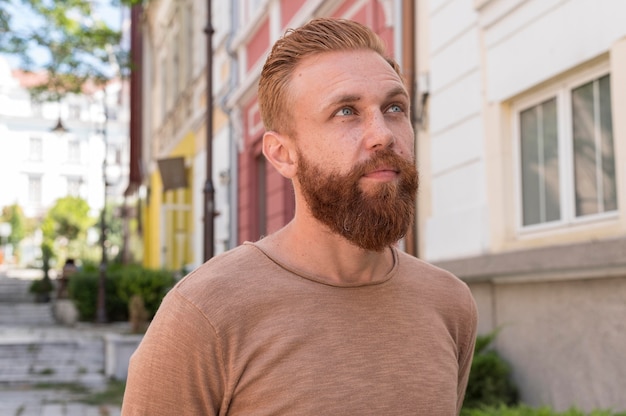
[
  {"x": 73, "y": 151},
  {"x": 35, "y": 149},
  {"x": 561, "y": 90},
  {"x": 35, "y": 190}
]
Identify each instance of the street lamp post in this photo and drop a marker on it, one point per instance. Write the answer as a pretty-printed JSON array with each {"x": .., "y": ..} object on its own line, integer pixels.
[
  {"x": 209, "y": 190},
  {"x": 101, "y": 314}
]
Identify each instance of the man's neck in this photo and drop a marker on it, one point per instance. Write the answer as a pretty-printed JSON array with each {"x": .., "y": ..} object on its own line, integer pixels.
[{"x": 311, "y": 247}]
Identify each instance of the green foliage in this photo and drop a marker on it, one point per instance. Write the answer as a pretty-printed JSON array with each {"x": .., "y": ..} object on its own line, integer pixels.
[
  {"x": 71, "y": 45},
  {"x": 47, "y": 254},
  {"x": 524, "y": 410},
  {"x": 490, "y": 378},
  {"x": 122, "y": 282},
  {"x": 83, "y": 290},
  {"x": 14, "y": 215},
  {"x": 113, "y": 394},
  {"x": 41, "y": 286},
  {"x": 65, "y": 226},
  {"x": 70, "y": 218},
  {"x": 151, "y": 285}
]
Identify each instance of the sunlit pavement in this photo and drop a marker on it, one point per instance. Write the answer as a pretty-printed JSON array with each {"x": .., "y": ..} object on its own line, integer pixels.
[
  {"x": 27, "y": 401},
  {"x": 33, "y": 391}
]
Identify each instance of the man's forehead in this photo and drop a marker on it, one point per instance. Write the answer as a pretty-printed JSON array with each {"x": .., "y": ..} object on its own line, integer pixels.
[{"x": 341, "y": 71}]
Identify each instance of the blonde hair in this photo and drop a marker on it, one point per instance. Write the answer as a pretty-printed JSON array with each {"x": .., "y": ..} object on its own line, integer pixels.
[{"x": 317, "y": 36}]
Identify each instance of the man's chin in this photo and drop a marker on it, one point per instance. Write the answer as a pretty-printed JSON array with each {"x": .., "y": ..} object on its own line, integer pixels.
[
  {"x": 375, "y": 187},
  {"x": 377, "y": 246}
]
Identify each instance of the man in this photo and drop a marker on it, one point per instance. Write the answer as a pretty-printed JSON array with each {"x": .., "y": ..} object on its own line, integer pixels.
[{"x": 325, "y": 316}]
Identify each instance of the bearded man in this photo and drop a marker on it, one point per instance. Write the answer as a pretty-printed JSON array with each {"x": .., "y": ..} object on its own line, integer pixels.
[{"x": 325, "y": 316}]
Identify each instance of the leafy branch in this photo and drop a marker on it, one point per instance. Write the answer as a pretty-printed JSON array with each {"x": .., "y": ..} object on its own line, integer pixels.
[{"x": 62, "y": 39}]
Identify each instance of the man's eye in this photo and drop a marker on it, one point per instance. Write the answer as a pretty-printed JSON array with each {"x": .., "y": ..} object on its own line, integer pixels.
[
  {"x": 345, "y": 111},
  {"x": 395, "y": 109}
]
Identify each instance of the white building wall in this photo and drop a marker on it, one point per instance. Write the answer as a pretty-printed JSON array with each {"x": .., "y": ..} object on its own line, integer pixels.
[
  {"x": 20, "y": 121},
  {"x": 540, "y": 39},
  {"x": 457, "y": 225},
  {"x": 562, "y": 326}
]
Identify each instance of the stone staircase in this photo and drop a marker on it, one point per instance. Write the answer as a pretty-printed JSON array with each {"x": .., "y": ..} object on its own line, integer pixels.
[
  {"x": 35, "y": 350},
  {"x": 29, "y": 314},
  {"x": 17, "y": 305},
  {"x": 55, "y": 356},
  {"x": 14, "y": 290}
]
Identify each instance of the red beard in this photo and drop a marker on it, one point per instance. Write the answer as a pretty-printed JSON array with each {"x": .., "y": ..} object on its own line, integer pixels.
[{"x": 372, "y": 220}]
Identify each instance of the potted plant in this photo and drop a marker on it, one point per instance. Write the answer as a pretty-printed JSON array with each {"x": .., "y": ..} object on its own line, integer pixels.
[{"x": 41, "y": 288}]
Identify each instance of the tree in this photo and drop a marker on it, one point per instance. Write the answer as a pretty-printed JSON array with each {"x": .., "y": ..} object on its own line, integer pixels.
[
  {"x": 14, "y": 215},
  {"x": 72, "y": 47},
  {"x": 66, "y": 224}
]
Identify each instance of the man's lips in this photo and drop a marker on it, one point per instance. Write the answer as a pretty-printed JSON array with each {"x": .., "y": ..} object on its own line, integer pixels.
[{"x": 382, "y": 173}]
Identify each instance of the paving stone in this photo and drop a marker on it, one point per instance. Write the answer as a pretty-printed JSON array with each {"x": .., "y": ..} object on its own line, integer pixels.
[{"x": 35, "y": 351}]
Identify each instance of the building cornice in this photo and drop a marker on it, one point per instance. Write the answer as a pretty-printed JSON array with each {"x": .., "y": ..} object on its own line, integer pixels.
[{"x": 593, "y": 259}]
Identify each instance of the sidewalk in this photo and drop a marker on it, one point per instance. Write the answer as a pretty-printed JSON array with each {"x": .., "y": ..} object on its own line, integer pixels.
[
  {"x": 57, "y": 398},
  {"x": 53, "y": 370},
  {"x": 29, "y": 401}
]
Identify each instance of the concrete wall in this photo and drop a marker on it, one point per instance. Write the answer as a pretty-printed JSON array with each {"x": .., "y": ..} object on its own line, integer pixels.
[{"x": 564, "y": 339}]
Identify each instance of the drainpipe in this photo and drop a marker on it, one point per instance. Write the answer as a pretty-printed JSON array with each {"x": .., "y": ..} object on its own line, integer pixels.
[
  {"x": 209, "y": 189},
  {"x": 233, "y": 81},
  {"x": 409, "y": 42}
]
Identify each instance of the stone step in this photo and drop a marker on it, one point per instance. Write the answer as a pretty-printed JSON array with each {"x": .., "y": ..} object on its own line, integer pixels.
[
  {"x": 38, "y": 360},
  {"x": 26, "y": 313},
  {"x": 15, "y": 290}
]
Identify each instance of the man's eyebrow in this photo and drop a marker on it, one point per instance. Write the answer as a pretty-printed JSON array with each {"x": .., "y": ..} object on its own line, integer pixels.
[
  {"x": 397, "y": 91},
  {"x": 342, "y": 99},
  {"x": 352, "y": 98}
]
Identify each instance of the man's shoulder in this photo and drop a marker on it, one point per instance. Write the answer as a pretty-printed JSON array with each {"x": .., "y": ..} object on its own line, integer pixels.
[
  {"x": 429, "y": 274},
  {"x": 439, "y": 288},
  {"x": 244, "y": 262},
  {"x": 412, "y": 263}
]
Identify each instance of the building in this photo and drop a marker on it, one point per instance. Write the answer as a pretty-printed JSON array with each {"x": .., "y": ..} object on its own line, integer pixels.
[
  {"x": 523, "y": 170},
  {"x": 170, "y": 43},
  {"x": 39, "y": 165}
]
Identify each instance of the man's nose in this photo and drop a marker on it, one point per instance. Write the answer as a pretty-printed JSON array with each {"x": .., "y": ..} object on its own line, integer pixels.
[{"x": 378, "y": 135}]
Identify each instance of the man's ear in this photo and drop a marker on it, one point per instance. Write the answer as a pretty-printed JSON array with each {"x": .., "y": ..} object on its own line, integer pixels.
[{"x": 280, "y": 151}]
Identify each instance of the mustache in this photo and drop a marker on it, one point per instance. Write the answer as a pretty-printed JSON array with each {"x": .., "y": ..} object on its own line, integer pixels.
[{"x": 386, "y": 157}]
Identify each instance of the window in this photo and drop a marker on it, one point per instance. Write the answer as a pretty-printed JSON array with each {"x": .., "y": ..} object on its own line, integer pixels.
[
  {"x": 566, "y": 154},
  {"x": 73, "y": 151},
  {"x": 73, "y": 186},
  {"x": 35, "y": 149},
  {"x": 594, "y": 160},
  {"x": 36, "y": 108},
  {"x": 34, "y": 191},
  {"x": 74, "y": 110}
]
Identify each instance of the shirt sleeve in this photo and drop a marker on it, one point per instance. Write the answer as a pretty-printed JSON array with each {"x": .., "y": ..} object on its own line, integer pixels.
[
  {"x": 466, "y": 348},
  {"x": 178, "y": 367}
]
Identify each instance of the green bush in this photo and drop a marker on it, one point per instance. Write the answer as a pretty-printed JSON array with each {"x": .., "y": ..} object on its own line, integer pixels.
[
  {"x": 489, "y": 382},
  {"x": 122, "y": 282},
  {"x": 151, "y": 285}
]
